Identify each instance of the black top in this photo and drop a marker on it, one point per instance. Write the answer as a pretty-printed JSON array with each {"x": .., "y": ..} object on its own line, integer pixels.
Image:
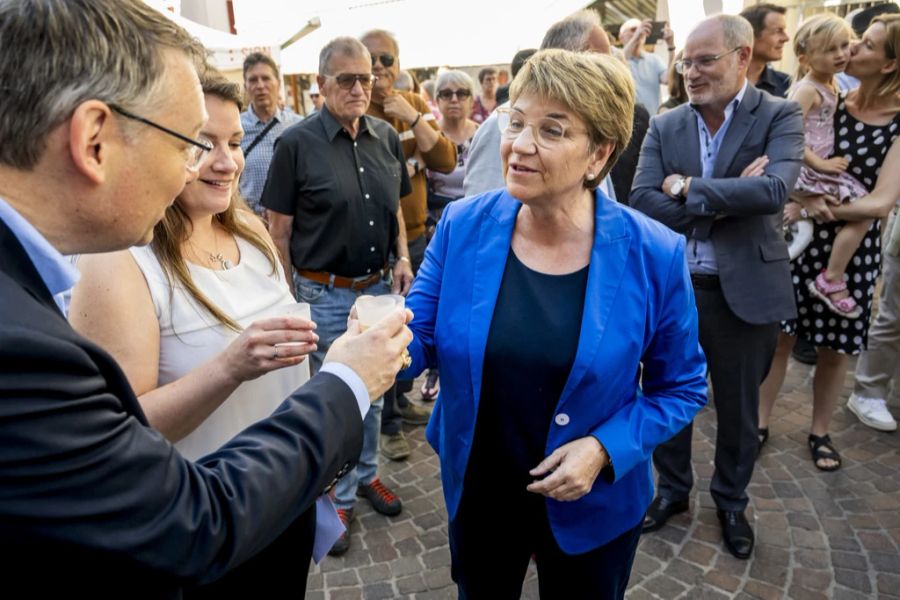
[
  {"x": 530, "y": 350},
  {"x": 622, "y": 173},
  {"x": 343, "y": 193},
  {"x": 774, "y": 82}
]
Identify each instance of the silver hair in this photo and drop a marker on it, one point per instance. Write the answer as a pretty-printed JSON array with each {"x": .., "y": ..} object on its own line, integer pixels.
[
  {"x": 457, "y": 78},
  {"x": 381, "y": 33},
  {"x": 61, "y": 53},
  {"x": 404, "y": 82},
  {"x": 572, "y": 33},
  {"x": 341, "y": 46},
  {"x": 736, "y": 30}
]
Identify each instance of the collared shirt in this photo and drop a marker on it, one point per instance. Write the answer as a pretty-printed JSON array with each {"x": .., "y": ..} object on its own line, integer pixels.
[
  {"x": 646, "y": 70},
  {"x": 256, "y": 168},
  {"x": 701, "y": 255},
  {"x": 57, "y": 272},
  {"x": 343, "y": 193},
  {"x": 774, "y": 82}
]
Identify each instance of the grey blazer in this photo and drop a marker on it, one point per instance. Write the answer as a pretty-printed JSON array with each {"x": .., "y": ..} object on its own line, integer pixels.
[{"x": 740, "y": 215}]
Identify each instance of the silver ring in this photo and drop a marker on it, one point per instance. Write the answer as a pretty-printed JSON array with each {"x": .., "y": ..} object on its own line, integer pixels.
[
  {"x": 275, "y": 353},
  {"x": 803, "y": 213}
]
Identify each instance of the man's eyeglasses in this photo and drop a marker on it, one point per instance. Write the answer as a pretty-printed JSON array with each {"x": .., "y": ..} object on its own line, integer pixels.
[
  {"x": 348, "y": 80},
  {"x": 447, "y": 94},
  {"x": 197, "y": 151},
  {"x": 547, "y": 132},
  {"x": 387, "y": 60},
  {"x": 702, "y": 63}
]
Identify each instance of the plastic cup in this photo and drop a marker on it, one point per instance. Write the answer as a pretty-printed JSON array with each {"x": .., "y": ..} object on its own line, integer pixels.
[{"x": 371, "y": 309}]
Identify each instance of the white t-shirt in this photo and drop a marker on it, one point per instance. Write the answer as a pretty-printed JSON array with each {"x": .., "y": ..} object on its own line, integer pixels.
[{"x": 646, "y": 70}]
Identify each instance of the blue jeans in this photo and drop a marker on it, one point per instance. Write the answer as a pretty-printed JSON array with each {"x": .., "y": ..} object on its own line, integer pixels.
[{"x": 330, "y": 307}]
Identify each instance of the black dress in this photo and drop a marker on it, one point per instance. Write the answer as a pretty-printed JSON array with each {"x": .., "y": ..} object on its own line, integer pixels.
[{"x": 865, "y": 147}]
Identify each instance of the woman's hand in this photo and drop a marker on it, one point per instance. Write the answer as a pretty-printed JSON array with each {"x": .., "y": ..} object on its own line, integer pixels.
[
  {"x": 572, "y": 470},
  {"x": 816, "y": 208},
  {"x": 792, "y": 212},
  {"x": 254, "y": 352}
]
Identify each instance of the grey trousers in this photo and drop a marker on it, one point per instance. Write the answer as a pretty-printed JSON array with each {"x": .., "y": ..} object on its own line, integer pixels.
[
  {"x": 880, "y": 363},
  {"x": 739, "y": 355}
]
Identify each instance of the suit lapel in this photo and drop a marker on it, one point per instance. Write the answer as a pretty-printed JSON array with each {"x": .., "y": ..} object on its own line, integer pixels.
[
  {"x": 608, "y": 260},
  {"x": 494, "y": 238},
  {"x": 687, "y": 142},
  {"x": 741, "y": 124}
]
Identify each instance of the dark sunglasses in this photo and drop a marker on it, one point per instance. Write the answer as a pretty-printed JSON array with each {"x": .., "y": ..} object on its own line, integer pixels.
[
  {"x": 460, "y": 94},
  {"x": 386, "y": 59},
  {"x": 348, "y": 80}
]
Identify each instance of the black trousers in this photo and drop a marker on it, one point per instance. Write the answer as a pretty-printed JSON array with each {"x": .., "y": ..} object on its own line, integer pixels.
[
  {"x": 492, "y": 539},
  {"x": 739, "y": 356},
  {"x": 394, "y": 398},
  {"x": 278, "y": 571}
]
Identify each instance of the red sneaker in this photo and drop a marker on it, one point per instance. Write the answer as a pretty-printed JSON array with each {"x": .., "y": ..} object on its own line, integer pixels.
[
  {"x": 383, "y": 500},
  {"x": 343, "y": 543}
]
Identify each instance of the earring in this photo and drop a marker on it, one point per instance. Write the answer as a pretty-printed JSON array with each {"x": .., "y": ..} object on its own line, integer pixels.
[{"x": 590, "y": 176}]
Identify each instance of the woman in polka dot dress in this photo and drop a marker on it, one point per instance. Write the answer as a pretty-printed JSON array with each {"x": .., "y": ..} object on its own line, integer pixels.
[
  {"x": 867, "y": 123},
  {"x": 822, "y": 45}
]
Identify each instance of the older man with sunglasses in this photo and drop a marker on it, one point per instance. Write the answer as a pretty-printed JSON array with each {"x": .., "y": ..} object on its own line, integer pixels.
[
  {"x": 424, "y": 147},
  {"x": 333, "y": 193}
]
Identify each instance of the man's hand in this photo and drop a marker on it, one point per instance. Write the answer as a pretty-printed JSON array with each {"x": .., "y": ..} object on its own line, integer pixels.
[
  {"x": 668, "y": 35},
  {"x": 403, "y": 277},
  {"x": 376, "y": 355},
  {"x": 396, "y": 107},
  {"x": 669, "y": 181},
  {"x": 573, "y": 468},
  {"x": 757, "y": 168}
]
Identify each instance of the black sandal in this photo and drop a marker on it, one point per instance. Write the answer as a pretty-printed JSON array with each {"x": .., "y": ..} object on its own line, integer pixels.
[
  {"x": 822, "y": 449},
  {"x": 763, "y": 434}
]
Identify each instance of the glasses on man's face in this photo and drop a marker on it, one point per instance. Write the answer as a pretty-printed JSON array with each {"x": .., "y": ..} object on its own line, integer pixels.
[
  {"x": 387, "y": 60},
  {"x": 460, "y": 94},
  {"x": 196, "y": 152},
  {"x": 347, "y": 80},
  {"x": 547, "y": 131},
  {"x": 702, "y": 63}
]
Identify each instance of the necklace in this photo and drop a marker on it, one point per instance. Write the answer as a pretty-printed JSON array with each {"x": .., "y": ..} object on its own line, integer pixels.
[{"x": 214, "y": 258}]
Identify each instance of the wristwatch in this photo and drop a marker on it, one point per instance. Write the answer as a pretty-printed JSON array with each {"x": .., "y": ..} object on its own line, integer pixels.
[{"x": 678, "y": 187}]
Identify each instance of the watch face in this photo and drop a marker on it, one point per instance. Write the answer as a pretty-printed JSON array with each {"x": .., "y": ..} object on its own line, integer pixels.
[{"x": 677, "y": 187}]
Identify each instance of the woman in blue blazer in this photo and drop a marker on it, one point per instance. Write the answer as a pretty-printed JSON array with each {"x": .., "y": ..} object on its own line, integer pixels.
[{"x": 565, "y": 331}]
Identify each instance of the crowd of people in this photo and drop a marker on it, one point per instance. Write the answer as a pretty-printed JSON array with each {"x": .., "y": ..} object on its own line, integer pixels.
[{"x": 192, "y": 405}]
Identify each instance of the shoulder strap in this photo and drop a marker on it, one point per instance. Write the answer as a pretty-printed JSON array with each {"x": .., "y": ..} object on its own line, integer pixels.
[{"x": 259, "y": 137}]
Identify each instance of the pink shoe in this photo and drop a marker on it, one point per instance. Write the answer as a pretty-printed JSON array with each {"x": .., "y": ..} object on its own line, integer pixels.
[{"x": 823, "y": 289}]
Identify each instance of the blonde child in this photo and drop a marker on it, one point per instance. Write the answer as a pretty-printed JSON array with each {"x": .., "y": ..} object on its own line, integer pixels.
[{"x": 822, "y": 46}]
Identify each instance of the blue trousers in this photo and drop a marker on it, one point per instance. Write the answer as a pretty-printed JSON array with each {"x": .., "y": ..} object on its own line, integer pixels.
[{"x": 330, "y": 307}]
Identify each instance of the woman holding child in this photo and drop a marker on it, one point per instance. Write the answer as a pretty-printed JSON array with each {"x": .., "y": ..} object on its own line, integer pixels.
[{"x": 866, "y": 126}]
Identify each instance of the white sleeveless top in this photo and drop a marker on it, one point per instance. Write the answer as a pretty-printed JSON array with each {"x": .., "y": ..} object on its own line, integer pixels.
[{"x": 189, "y": 336}]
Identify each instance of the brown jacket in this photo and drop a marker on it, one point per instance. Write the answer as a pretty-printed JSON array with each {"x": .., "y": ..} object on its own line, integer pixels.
[{"x": 441, "y": 158}]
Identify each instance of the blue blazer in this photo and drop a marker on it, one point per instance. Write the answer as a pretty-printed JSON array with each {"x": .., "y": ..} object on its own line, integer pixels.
[{"x": 639, "y": 309}]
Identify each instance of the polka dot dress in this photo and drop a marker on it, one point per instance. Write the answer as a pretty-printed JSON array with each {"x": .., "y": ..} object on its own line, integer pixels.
[{"x": 865, "y": 146}]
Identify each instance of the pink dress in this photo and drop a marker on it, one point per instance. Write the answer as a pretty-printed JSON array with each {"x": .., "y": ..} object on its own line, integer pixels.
[{"x": 818, "y": 126}]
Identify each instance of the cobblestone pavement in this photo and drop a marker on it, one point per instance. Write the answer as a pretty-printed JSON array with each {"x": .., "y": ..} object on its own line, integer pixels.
[{"x": 819, "y": 535}]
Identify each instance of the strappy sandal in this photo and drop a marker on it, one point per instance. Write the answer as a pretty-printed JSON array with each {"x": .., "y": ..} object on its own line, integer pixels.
[
  {"x": 763, "y": 434},
  {"x": 823, "y": 289},
  {"x": 432, "y": 387},
  {"x": 822, "y": 449}
]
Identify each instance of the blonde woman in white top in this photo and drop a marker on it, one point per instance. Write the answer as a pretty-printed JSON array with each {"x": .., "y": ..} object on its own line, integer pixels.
[{"x": 192, "y": 320}]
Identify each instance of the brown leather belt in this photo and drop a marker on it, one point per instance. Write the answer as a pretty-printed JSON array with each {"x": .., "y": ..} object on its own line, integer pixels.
[{"x": 343, "y": 282}]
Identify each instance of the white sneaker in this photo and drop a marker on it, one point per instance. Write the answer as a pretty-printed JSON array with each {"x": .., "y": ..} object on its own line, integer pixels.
[{"x": 872, "y": 412}]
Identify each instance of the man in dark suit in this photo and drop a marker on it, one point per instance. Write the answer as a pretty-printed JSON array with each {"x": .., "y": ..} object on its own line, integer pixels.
[
  {"x": 719, "y": 170},
  {"x": 93, "y": 148}
]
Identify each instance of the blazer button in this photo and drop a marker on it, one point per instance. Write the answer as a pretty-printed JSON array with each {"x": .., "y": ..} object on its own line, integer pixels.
[{"x": 562, "y": 419}]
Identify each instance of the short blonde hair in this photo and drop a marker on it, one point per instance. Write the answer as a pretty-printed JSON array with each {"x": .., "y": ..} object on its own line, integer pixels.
[
  {"x": 596, "y": 87},
  {"x": 816, "y": 34}
]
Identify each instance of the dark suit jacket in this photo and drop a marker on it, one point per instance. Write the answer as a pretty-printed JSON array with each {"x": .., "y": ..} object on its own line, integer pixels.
[
  {"x": 92, "y": 498},
  {"x": 741, "y": 215},
  {"x": 622, "y": 174}
]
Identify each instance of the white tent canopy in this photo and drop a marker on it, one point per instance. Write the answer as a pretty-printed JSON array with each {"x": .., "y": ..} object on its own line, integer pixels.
[{"x": 456, "y": 33}]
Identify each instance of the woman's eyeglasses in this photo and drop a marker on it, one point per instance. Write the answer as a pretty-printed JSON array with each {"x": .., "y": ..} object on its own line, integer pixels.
[
  {"x": 348, "y": 80},
  {"x": 448, "y": 94},
  {"x": 547, "y": 132},
  {"x": 387, "y": 60}
]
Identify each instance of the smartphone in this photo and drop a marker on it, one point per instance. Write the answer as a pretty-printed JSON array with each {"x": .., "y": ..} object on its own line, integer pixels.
[{"x": 656, "y": 32}]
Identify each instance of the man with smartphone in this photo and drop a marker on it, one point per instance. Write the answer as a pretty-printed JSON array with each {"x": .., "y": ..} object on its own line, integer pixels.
[{"x": 648, "y": 70}]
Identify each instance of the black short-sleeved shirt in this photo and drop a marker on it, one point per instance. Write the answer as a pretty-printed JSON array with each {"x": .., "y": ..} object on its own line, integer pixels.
[
  {"x": 774, "y": 82},
  {"x": 343, "y": 193}
]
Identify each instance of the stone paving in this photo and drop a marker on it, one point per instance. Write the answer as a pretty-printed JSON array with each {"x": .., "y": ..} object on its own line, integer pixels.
[{"x": 819, "y": 535}]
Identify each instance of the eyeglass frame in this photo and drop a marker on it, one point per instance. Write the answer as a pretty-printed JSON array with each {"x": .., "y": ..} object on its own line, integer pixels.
[
  {"x": 356, "y": 78},
  {"x": 205, "y": 148},
  {"x": 681, "y": 69},
  {"x": 508, "y": 111},
  {"x": 380, "y": 56},
  {"x": 452, "y": 93}
]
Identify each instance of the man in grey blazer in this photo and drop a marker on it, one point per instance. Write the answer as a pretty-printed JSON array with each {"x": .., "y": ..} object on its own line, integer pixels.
[{"x": 719, "y": 170}]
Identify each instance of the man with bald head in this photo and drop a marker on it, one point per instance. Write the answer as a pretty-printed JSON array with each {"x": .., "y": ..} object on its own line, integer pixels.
[{"x": 719, "y": 169}]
